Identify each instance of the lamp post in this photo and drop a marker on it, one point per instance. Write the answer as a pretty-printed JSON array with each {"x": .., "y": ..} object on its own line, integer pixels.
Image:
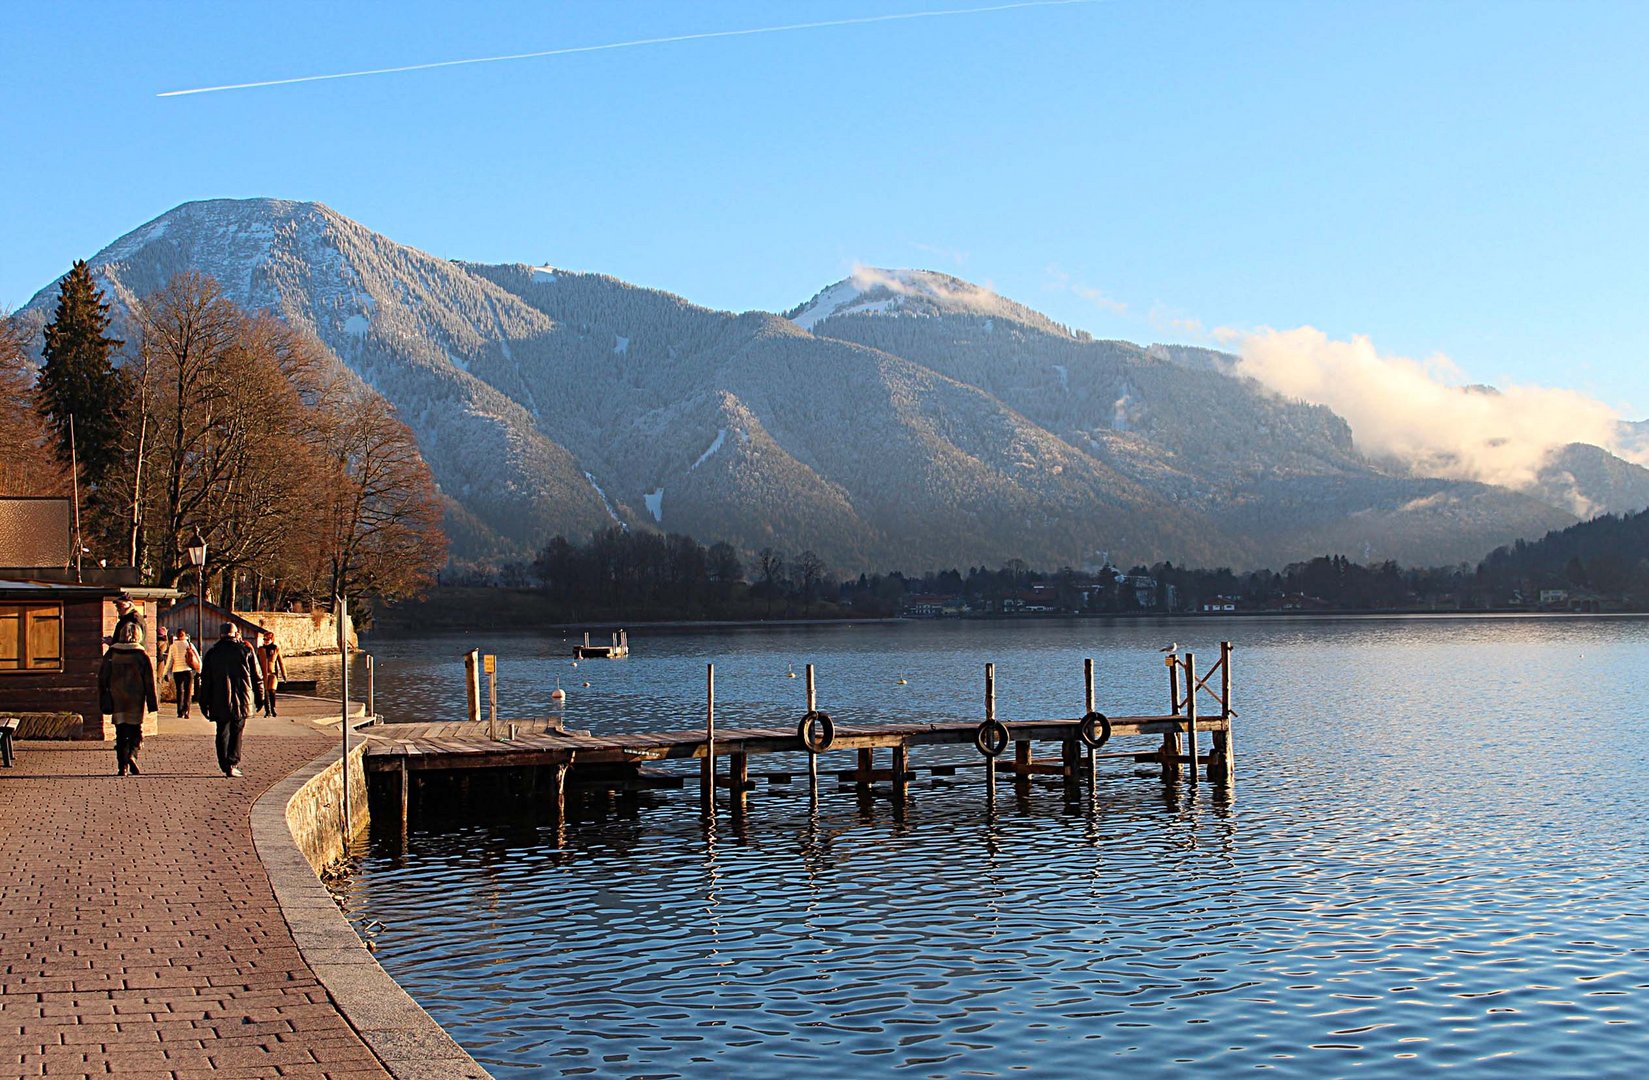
[{"x": 197, "y": 559}]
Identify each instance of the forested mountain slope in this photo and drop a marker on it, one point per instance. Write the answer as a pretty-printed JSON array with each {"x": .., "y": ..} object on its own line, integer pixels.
[{"x": 898, "y": 419}]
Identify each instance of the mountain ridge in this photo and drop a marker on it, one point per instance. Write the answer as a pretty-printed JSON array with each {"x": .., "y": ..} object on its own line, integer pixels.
[{"x": 916, "y": 419}]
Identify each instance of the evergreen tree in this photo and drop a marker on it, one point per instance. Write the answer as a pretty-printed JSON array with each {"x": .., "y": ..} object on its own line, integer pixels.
[{"x": 78, "y": 378}]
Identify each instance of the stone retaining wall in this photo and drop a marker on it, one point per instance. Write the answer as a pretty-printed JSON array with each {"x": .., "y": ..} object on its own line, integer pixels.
[
  {"x": 299, "y": 633},
  {"x": 314, "y": 814}
]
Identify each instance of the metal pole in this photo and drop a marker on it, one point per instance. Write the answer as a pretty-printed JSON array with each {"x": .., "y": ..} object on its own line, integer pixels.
[
  {"x": 371, "y": 696},
  {"x": 338, "y": 616}
]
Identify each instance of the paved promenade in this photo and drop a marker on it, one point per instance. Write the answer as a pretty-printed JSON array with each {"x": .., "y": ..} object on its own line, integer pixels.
[{"x": 139, "y": 933}]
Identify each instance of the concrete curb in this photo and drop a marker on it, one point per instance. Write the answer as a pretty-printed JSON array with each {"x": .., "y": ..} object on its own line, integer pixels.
[{"x": 410, "y": 1044}]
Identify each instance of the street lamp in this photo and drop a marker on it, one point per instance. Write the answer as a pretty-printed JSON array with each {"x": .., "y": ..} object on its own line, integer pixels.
[{"x": 197, "y": 559}]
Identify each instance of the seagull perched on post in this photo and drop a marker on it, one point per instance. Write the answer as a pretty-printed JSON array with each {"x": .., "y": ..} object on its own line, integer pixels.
[{"x": 1171, "y": 648}]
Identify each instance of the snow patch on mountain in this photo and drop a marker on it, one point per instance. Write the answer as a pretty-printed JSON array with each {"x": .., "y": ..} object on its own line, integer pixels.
[
  {"x": 543, "y": 275},
  {"x": 655, "y": 504},
  {"x": 608, "y": 503},
  {"x": 721, "y": 437},
  {"x": 621, "y": 345},
  {"x": 357, "y": 325}
]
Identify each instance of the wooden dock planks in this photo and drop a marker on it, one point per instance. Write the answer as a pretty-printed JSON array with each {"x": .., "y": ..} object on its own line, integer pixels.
[{"x": 465, "y": 744}]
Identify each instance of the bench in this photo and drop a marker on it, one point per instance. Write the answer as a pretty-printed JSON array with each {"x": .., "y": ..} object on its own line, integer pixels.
[{"x": 8, "y": 731}]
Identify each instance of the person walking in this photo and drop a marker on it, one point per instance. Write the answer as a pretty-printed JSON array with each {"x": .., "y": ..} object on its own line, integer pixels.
[
  {"x": 129, "y": 616},
  {"x": 126, "y": 692},
  {"x": 273, "y": 669},
  {"x": 181, "y": 665},
  {"x": 229, "y": 688}
]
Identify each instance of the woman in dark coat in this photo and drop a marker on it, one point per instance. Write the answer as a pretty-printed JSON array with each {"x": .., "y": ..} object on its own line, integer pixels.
[{"x": 126, "y": 690}]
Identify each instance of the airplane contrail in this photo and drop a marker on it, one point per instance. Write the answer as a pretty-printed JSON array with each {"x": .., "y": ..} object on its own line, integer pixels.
[{"x": 630, "y": 45}]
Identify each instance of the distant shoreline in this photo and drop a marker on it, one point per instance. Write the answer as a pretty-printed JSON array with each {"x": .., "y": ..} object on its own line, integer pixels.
[{"x": 675, "y": 626}]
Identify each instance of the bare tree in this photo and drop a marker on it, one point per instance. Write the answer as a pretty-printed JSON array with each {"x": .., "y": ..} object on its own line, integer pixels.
[{"x": 382, "y": 533}]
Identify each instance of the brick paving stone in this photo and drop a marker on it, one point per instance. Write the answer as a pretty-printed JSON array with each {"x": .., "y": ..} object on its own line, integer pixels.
[{"x": 141, "y": 933}]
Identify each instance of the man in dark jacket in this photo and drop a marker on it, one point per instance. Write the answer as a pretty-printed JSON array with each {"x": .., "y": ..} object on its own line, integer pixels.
[{"x": 229, "y": 690}]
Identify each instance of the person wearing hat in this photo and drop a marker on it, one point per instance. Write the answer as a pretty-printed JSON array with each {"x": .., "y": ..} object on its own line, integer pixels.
[
  {"x": 129, "y": 615},
  {"x": 229, "y": 690},
  {"x": 126, "y": 692}
]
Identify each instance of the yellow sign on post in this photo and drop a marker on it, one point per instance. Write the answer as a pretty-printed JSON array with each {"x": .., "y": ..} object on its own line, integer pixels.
[{"x": 490, "y": 663}]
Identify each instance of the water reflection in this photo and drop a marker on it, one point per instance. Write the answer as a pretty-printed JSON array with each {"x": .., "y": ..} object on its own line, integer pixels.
[{"x": 1437, "y": 860}]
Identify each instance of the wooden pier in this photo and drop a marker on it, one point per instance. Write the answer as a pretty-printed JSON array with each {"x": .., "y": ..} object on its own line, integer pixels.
[{"x": 1188, "y": 743}]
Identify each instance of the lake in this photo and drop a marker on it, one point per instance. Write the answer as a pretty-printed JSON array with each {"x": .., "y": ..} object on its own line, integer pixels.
[{"x": 1433, "y": 858}]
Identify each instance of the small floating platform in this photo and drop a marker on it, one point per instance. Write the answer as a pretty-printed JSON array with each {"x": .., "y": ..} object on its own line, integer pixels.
[{"x": 618, "y": 648}]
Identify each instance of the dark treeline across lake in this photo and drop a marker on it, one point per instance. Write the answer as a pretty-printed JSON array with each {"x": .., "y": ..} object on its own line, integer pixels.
[{"x": 1433, "y": 858}]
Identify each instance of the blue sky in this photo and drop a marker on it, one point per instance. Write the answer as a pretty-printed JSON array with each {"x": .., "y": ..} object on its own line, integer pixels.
[{"x": 1457, "y": 178}]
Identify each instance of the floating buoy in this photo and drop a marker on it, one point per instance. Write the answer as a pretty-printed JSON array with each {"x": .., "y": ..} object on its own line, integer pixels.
[
  {"x": 902, "y": 682},
  {"x": 791, "y": 674},
  {"x": 586, "y": 684},
  {"x": 559, "y": 694}
]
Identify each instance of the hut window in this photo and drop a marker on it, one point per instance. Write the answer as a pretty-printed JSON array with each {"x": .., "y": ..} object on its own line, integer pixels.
[{"x": 31, "y": 637}]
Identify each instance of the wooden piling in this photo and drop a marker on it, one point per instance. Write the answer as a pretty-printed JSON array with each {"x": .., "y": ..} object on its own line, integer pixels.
[
  {"x": 738, "y": 777},
  {"x": 867, "y": 768},
  {"x": 707, "y": 764},
  {"x": 558, "y": 788},
  {"x": 472, "y": 683},
  {"x": 1088, "y": 707},
  {"x": 406, "y": 801},
  {"x": 812, "y": 758},
  {"x": 901, "y": 772},
  {"x": 990, "y": 714},
  {"x": 1170, "y": 740},
  {"x": 1191, "y": 715},
  {"x": 1220, "y": 766}
]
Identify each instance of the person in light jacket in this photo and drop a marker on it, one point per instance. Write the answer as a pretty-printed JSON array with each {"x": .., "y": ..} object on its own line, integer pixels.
[
  {"x": 273, "y": 669},
  {"x": 126, "y": 691},
  {"x": 181, "y": 665},
  {"x": 229, "y": 689}
]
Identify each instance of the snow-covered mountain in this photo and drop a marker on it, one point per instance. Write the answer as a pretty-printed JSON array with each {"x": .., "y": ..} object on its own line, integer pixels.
[{"x": 899, "y": 418}]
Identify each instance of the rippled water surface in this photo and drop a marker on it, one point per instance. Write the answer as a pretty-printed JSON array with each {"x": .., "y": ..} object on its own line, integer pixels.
[{"x": 1433, "y": 858}]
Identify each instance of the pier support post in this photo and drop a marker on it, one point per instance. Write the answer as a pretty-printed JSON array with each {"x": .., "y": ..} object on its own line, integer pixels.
[
  {"x": 1220, "y": 766},
  {"x": 1088, "y": 707},
  {"x": 901, "y": 772},
  {"x": 406, "y": 800},
  {"x": 1191, "y": 717},
  {"x": 1070, "y": 761},
  {"x": 738, "y": 776},
  {"x": 707, "y": 764},
  {"x": 867, "y": 768},
  {"x": 1170, "y": 741},
  {"x": 990, "y": 714},
  {"x": 558, "y": 788},
  {"x": 812, "y": 759}
]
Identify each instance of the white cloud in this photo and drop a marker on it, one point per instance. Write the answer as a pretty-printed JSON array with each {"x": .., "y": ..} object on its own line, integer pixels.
[
  {"x": 1415, "y": 412},
  {"x": 1060, "y": 280}
]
